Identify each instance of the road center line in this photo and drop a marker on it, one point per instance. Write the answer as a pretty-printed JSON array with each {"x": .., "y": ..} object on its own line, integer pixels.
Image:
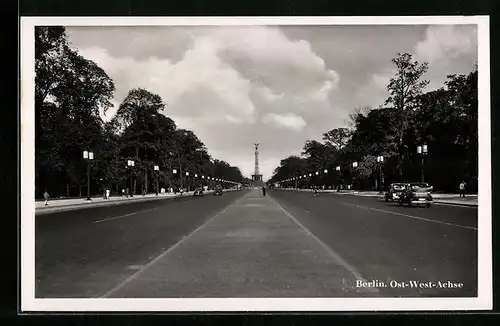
[
  {"x": 329, "y": 250},
  {"x": 163, "y": 254},
  {"x": 121, "y": 216},
  {"x": 410, "y": 216}
]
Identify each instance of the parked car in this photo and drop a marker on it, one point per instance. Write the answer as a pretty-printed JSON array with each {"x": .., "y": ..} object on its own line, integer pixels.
[
  {"x": 198, "y": 191},
  {"x": 394, "y": 192},
  {"x": 416, "y": 193},
  {"x": 218, "y": 191}
]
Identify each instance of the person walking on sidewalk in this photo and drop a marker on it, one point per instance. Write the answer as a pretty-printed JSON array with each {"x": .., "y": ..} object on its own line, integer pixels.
[
  {"x": 263, "y": 191},
  {"x": 107, "y": 193},
  {"x": 315, "y": 191},
  {"x": 462, "y": 189},
  {"x": 46, "y": 197}
]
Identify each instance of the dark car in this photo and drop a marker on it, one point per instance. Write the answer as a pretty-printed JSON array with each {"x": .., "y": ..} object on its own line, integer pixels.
[
  {"x": 198, "y": 191},
  {"x": 394, "y": 191},
  {"x": 218, "y": 191},
  {"x": 416, "y": 193}
]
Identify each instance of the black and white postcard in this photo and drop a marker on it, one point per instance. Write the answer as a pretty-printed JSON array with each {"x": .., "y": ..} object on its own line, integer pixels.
[{"x": 255, "y": 164}]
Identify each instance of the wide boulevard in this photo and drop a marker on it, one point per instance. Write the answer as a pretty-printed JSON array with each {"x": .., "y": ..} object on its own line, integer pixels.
[{"x": 242, "y": 244}]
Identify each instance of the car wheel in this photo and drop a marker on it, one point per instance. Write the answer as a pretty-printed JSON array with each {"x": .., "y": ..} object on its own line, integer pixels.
[
  {"x": 400, "y": 203},
  {"x": 428, "y": 205}
]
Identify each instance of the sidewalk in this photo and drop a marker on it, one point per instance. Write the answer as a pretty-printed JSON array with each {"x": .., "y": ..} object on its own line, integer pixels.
[
  {"x": 81, "y": 203},
  {"x": 253, "y": 248},
  {"x": 454, "y": 199}
]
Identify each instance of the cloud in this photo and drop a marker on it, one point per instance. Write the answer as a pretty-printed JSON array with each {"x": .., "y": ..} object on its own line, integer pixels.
[
  {"x": 290, "y": 120},
  {"x": 447, "y": 42},
  {"x": 278, "y": 86},
  {"x": 448, "y": 49},
  {"x": 231, "y": 85},
  {"x": 373, "y": 92}
]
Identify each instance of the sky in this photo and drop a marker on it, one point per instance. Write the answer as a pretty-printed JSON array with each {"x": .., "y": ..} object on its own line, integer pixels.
[{"x": 274, "y": 85}]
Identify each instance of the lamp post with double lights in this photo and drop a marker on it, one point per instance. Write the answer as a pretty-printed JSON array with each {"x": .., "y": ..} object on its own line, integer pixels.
[
  {"x": 422, "y": 150},
  {"x": 354, "y": 165},
  {"x": 380, "y": 161},
  {"x": 88, "y": 156},
  {"x": 337, "y": 168},
  {"x": 174, "y": 171},
  {"x": 130, "y": 164},
  {"x": 157, "y": 172}
]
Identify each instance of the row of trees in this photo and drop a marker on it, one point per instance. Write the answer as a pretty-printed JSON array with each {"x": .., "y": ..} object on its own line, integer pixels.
[
  {"x": 70, "y": 92},
  {"x": 446, "y": 120}
]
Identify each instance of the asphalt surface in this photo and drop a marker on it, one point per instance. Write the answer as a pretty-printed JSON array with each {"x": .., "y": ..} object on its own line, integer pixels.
[
  {"x": 386, "y": 242},
  {"x": 85, "y": 253},
  {"x": 241, "y": 244}
]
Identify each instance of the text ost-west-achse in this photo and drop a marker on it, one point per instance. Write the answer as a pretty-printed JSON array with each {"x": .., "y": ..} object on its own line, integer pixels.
[{"x": 409, "y": 284}]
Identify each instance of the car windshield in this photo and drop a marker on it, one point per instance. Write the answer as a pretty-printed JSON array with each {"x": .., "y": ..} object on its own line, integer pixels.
[
  {"x": 398, "y": 186},
  {"x": 419, "y": 186}
]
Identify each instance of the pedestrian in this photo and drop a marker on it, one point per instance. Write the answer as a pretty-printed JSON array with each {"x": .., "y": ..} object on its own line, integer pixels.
[
  {"x": 107, "y": 193},
  {"x": 462, "y": 189},
  {"x": 128, "y": 192},
  {"x": 315, "y": 191},
  {"x": 263, "y": 191},
  {"x": 123, "y": 192},
  {"x": 46, "y": 197}
]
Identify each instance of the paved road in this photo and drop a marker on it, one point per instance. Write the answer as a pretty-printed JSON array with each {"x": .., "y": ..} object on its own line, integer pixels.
[
  {"x": 386, "y": 242},
  {"x": 244, "y": 245},
  {"x": 84, "y": 253}
]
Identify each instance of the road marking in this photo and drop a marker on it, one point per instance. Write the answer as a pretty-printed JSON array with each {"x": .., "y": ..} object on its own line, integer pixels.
[
  {"x": 163, "y": 254},
  {"x": 410, "y": 216},
  {"x": 121, "y": 216},
  {"x": 329, "y": 250}
]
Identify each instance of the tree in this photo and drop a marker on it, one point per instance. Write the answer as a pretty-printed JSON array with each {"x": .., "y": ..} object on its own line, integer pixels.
[
  {"x": 404, "y": 89},
  {"x": 70, "y": 92},
  {"x": 337, "y": 138}
]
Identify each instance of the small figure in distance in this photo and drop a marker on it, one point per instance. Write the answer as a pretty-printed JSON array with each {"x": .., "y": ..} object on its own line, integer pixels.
[
  {"x": 315, "y": 191},
  {"x": 462, "y": 189},
  {"x": 263, "y": 191},
  {"x": 46, "y": 197}
]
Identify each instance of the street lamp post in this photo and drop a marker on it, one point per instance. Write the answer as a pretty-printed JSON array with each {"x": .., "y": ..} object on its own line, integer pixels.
[
  {"x": 354, "y": 165},
  {"x": 380, "y": 160},
  {"x": 422, "y": 150},
  {"x": 131, "y": 164},
  {"x": 88, "y": 156},
  {"x": 325, "y": 171},
  {"x": 337, "y": 168},
  {"x": 157, "y": 169},
  {"x": 187, "y": 180},
  {"x": 174, "y": 171}
]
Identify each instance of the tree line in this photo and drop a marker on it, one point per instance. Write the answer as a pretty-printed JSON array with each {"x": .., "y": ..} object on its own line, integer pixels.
[
  {"x": 70, "y": 92},
  {"x": 445, "y": 120}
]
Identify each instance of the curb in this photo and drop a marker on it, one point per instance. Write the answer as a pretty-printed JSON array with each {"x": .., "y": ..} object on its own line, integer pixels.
[
  {"x": 436, "y": 201},
  {"x": 456, "y": 204},
  {"x": 80, "y": 206}
]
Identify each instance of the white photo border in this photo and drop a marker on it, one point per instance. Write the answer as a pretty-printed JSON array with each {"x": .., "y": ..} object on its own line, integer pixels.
[{"x": 484, "y": 300}]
